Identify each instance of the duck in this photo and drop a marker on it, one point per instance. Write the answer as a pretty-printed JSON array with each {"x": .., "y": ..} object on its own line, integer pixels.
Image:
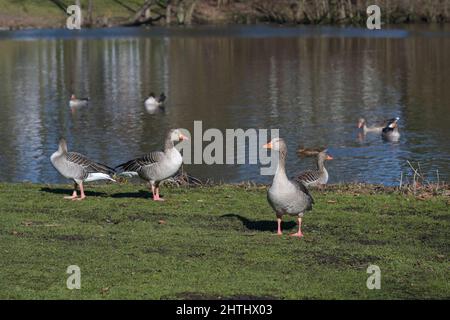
[
  {"x": 391, "y": 132},
  {"x": 152, "y": 103},
  {"x": 287, "y": 196},
  {"x": 362, "y": 124},
  {"x": 79, "y": 168},
  {"x": 157, "y": 166},
  {"x": 78, "y": 102},
  {"x": 308, "y": 152},
  {"x": 314, "y": 178}
]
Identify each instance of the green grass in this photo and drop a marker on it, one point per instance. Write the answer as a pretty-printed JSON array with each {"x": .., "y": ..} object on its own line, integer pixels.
[{"x": 218, "y": 242}]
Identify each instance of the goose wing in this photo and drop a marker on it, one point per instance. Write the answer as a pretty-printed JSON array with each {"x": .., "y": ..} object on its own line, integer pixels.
[
  {"x": 147, "y": 160},
  {"x": 87, "y": 164},
  {"x": 308, "y": 176},
  {"x": 304, "y": 189}
]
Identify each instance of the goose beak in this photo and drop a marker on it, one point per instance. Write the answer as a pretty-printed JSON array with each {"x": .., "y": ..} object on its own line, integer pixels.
[
  {"x": 268, "y": 145},
  {"x": 183, "y": 137},
  {"x": 329, "y": 157}
]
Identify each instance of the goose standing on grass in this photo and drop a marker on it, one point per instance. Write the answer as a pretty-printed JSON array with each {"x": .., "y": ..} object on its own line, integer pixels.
[
  {"x": 286, "y": 196},
  {"x": 390, "y": 132},
  {"x": 79, "y": 168},
  {"x": 152, "y": 103},
  {"x": 314, "y": 178},
  {"x": 78, "y": 102},
  {"x": 158, "y": 165},
  {"x": 362, "y": 124}
]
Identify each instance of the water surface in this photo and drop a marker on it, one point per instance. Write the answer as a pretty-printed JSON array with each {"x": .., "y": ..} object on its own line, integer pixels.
[{"x": 310, "y": 82}]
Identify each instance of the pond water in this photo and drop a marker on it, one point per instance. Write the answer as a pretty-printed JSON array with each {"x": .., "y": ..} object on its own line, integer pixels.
[{"x": 312, "y": 83}]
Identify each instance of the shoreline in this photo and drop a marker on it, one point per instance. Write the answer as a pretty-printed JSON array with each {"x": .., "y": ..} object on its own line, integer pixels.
[{"x": 209, "y": 12}]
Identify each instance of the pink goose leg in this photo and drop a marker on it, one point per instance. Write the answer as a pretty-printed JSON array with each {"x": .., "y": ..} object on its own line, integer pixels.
[
  {"x": 157, "y": 195},
  {"x": 279, "y": 227},
  {"x": 74, "y": 193},
  {"x": 82, "y": 195},
  {"x": 299, "y": 232}
]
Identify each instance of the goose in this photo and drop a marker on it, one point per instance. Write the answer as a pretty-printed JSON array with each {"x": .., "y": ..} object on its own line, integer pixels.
[
  {"x": 157, "y": 166},
  {"x": 390, "y": 132},
  {"x": 152, "y": 103},
  {"x": 78, "y": 102},
  {"x": 287, "y": 196},
  {"x": 314, "y": 178},
  {"x": 79, "y": 168},
  {"x": 362, "y": 124}
]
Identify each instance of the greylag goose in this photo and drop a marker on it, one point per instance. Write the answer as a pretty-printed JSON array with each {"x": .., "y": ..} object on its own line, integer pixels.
[
  {"x": 152, "y": 103},
  {"x": 79, "y": 168},
  {"x": 158, "y": 165},
  {"x": 78, "y": 102},
  {"x": 286, "y": 196},
  {"x": 390, "y": 132},
  {"x": 362, "y": 124},
  {"x": 314, "y": 178}
]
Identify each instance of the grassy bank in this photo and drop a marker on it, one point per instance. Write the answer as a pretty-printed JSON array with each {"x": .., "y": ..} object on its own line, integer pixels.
[
  {"x": 104, "y": 13},
  {"x": 218, "y": 242}
]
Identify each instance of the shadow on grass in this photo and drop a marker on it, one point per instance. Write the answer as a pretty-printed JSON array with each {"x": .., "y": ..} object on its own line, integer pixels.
[
  {"x": 68, "y": 192},
  {"x": 142, "y": 194},
  {"x": 260, "y": 225}
]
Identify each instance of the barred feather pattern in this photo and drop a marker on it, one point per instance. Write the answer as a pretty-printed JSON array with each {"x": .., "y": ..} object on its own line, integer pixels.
[
  {"x": 88, "y": 165},
  {"x": 138, "y": 164}
]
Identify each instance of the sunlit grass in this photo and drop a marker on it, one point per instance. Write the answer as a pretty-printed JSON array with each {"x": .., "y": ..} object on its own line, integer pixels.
[{"x": 218, "y": 242}]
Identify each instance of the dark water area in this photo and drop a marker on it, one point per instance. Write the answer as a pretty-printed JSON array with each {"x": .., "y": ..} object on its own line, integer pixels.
[{"x": 313, "y": 83}]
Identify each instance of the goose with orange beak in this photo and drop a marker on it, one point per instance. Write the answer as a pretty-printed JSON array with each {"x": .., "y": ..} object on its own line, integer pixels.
[
  {"x": 315, "y": 178},
  {"x": 390, "y": 132},
  {"x": 287, "y": 196},
  {"x": 157, "y": 166}
]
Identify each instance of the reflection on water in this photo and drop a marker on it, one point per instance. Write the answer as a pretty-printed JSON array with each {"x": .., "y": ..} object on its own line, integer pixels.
[{"x": 312, "y": 83}]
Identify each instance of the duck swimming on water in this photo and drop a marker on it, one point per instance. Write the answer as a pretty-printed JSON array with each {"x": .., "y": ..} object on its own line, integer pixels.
[
  {"x": 362, "y": 124},
  {"x": 390, "y": 132},
  {"x": 76, "y": 102},
  {"x": 152, "y": 102}
]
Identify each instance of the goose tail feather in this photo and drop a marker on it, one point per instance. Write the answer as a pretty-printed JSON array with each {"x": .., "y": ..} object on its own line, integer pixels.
[{"x": 98, "y": 176}]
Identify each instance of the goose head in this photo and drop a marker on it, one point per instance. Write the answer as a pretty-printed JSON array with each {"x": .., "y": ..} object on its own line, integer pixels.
[
  {"x": 276, "y": 144},
  {"x": 62, "y": 146},
  {"x": 73, "y": 97},
  {"x": 151, "y": 95},
  {"x": 175, "y": 135},
  {"x": 324, "y": 155}
]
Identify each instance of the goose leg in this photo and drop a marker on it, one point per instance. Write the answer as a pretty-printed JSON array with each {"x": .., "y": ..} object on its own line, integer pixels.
[
  {"x": 82, "y": 195},
  {"x": 279, "y": 227},
  {"x": 74, "y": 193},
  {"x": 157, "y": 194},
  {"x": 153, "y": 190},
  {"x": 299, "y": 232}
]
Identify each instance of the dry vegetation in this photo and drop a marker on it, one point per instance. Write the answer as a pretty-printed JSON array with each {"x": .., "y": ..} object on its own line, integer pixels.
[{"x": 100, "y": 13}]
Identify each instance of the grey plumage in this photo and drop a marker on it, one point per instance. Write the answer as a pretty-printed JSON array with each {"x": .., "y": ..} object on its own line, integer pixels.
[
  {"x": 287, "y": 196},
  {"x": 317, "y": 177},
  {"x": 76, "y": 166},
  {"x": 158, "y": 165}
]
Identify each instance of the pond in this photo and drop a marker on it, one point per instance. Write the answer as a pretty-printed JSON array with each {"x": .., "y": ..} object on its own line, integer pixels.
[{"x": 312, "y": 83}]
